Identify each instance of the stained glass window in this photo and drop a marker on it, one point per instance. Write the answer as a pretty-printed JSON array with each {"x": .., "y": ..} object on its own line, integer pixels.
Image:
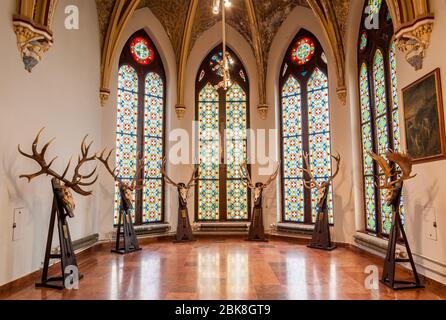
[
  {"x": 303, "y": 51},
  {"x": 127, "y": 129},
  {"x": 305, "y": 118},
  {"x": 379, "y": 114},
  {"x": 363, "y": 41},
  {"x": 140, "y": 127},
  {"x": 222, "y": 194},
  {"x": 141, "y": 51}
]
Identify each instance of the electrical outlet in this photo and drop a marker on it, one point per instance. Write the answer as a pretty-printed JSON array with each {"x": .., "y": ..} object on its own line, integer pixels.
[{"x": 18, "y": 224}]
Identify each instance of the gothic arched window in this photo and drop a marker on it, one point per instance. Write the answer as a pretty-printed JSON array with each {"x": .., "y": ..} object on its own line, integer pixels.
[
  {"x": 223, "y": 118},
  {"x": 379, "y": 108},
  {"x": 305, "y": 126},
  {"x": 140, "y": 125}
]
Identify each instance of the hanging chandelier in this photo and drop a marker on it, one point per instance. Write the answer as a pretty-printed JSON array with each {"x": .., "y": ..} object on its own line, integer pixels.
[{"x": 224, "y": 64}]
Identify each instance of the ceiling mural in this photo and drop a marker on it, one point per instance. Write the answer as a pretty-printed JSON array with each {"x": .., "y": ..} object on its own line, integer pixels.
[
  {"x": 172, "y": 14},
  {"x": 270, "y": 16}
]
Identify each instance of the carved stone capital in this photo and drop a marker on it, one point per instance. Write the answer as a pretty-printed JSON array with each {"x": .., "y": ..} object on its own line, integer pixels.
[
  {"x": 263, "y": 111},
  {"x": 414, "y": 40},
  {"x": 342, "y": 95},
  {"x": 180, "y": 110},
  {"x": 32, "y": 42},
  {"x": 104, "y": 94}
]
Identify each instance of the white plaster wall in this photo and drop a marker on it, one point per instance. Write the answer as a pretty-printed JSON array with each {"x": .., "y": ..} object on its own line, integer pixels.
[
  {"x": 141, "y": 19},
  {"x": 61, "y": 94},
  {"x": 340, "y": 127},
  {"x": 426, "y": 190}
]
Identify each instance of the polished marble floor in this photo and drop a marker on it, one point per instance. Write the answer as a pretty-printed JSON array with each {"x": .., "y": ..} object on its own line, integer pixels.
[{"x": 218, "y": 268}]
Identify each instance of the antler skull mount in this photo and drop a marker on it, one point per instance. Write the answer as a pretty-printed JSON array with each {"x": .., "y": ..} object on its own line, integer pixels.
[
  {"x": 259, "y": 186},
  {"x": 392, "y": 185},
  {"x": 321, "y": 186},
  {"x": 183, "y": 188},
  {"x": 126, "y": 189},
  {"x": 78, "y": 182}
]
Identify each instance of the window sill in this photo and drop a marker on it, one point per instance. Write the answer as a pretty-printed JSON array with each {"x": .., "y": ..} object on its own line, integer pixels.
[{"x": 377, "y": 245}]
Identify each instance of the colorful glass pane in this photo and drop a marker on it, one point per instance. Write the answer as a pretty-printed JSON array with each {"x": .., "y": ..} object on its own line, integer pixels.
[
  {"x": 303, "y": 51},
  {"x": 367, "y": 146},
  {"x": 294, "y": 200},
  {"x": 216, "y": 60},
  {"x": 209, "y": 150},
  {"x": 319, "y": 132},
  {"x": 370, "y": 203},
  {"x": 126, "y": 135},
  {"x": 395, "y": 99},
  {"x": 236, "y": 150},
  {"x": 375, "y": 7},
  {"x": 141, "y": 51},
  {"x": 242, "y": 75},
  {"x": 380, "y": 84},
  {"x": 364, "y": 92},
  {"x": 292, "y": 149},
  {"x": 202, "y": 74},
  {"x": 363, "y": 41},
  {"x": 386, "y": 210},
  {"x": 153, "y": 147}
]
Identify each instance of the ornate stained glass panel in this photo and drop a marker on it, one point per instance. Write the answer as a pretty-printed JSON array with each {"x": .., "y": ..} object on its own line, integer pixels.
[
  {"x": 375, "y": 6},
  {"x": 303, "y": 51},
  {"x": 153, "y": 147},
  {"x": 236, "y": 149},
  {"x": 126, "y": 134},
  {"x": 363, "y": 41},
  {"x": 141, "y": 51},
  {"x": 216, "y": 63},
  {"x": 379, "y": 113},
  {"x": 209, "y": 146},
  {"x": 292, "y": 149},
  {"x": 319, "y": 133}
]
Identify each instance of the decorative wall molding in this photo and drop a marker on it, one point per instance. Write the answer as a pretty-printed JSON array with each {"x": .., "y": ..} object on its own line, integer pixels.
[
  {"x": 413, "y": 22},
  {"x": 180, "y": 107},
  {"x": 325, "y": 12},
  {"x": 32, "y": 25},
  {"x": 122, "y": 12}
]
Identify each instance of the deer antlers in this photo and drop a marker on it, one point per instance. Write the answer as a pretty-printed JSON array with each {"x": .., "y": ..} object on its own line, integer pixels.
[
  {"x": 403, "y": 160},
  {"x": 78, "y": 182},
  {"x": 248, "y": 181},
  {"x": 313, "y": 183},
  {"x": 189, "y": 185},
  {"x": 115, "y": 172}
]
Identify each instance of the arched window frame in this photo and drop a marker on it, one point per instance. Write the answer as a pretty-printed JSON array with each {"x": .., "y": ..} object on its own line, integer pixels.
[
  {"x": 303, "y": 74},
  {"x": 142, "y": 139},
  {"x": 204, "y": 77},
  {"x": 377, "y": 214}
]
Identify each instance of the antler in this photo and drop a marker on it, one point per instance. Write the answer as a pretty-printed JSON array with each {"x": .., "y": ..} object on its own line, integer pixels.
[
  {"x": 77, "y": 183},
  {"x": 405, "y": 162},
  {"x": 312, "y": 183},
  {"x": 105, "y": 161},
  {"x": 272, "y": 177},
  {"x": 338, "y": 165},
  {"x": 245, "y": 173},
  {"x": 166, "y": 177},
  {"x": 385, "y": 168},
  {"x": 193, "y": 178}
]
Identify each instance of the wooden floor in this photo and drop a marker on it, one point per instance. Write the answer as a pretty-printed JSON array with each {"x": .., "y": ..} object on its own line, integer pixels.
[{"x": 216, "y": 268}]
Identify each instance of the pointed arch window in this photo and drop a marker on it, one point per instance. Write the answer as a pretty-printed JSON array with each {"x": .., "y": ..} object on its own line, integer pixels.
[
  {"x": 140, "y": 125},
  {"x": 305, "y": 126},
  {"x": 380, "y": 129},
  {"x": 223, "y": 118}
]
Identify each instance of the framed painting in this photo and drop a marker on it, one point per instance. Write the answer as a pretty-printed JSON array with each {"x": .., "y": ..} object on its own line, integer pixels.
[{"x": 424, "y": 119}]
